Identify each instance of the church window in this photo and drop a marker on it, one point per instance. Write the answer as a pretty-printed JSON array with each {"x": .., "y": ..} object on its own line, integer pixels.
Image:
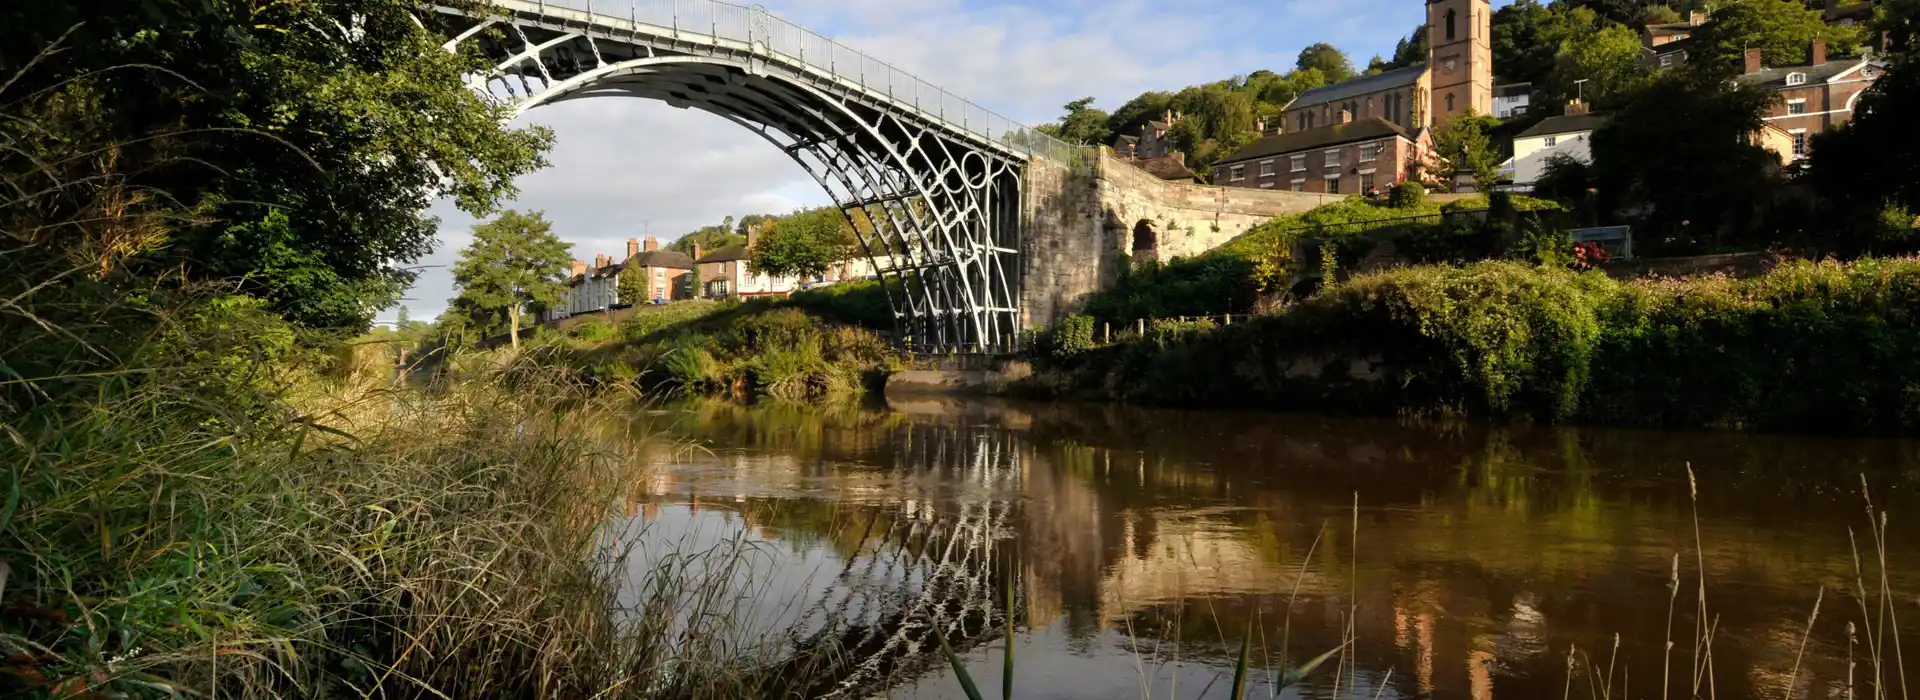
[
  {"x": 1449, "y": 104},
  {"x": 1452, "y": 25}
]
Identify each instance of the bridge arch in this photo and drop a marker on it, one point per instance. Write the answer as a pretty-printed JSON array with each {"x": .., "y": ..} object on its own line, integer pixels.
[{"x": 936, "y": 203}]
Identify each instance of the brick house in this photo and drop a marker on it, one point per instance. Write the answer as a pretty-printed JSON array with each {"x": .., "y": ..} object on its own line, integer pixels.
[
  {"x": 1814, "y": 97},
  {"x": 1152, "y": 150},
  {"x": 664, "y": 270},
  {"x": 595, "y": 288},
  {"x": 1352, "y": 158},
  {"x": 1666, "y": 45}
]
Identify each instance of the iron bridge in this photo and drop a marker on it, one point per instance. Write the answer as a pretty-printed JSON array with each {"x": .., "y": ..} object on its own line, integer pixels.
[{"x": 931, "y": 183}]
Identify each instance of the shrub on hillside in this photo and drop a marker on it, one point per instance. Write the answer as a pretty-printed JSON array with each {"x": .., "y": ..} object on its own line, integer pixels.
[
  {"x": 1827, "y": 345},
  {"x": 1208, "y": 285},
  {"x": 861, "y": 304}
]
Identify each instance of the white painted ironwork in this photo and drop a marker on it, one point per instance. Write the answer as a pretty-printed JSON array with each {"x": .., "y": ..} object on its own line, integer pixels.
[{"x": 931, "y": 182}]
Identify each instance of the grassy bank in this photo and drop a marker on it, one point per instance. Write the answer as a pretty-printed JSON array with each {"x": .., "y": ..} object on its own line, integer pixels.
[
  {"x": 1809, "y": 346},
  {"x": 804, "y": 349}
]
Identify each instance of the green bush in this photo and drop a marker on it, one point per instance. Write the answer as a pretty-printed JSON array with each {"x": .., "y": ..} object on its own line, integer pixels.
[
  {"x": 1407, "y": 195},
  {"x": 1808, "y": 346},
  {"x": 1208, "y": 285},
  {"x": 1072, "y": 336},
  {"x": 861, "y": 304},
  {"x": 593, "y": 330}
]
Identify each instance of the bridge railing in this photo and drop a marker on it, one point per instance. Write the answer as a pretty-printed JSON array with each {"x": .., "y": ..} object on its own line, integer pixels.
[{"x": 751, "y": 25}]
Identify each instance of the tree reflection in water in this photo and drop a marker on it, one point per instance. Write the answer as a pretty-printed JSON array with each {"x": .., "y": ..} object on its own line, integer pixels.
[{"x": 1140, "y": 542}]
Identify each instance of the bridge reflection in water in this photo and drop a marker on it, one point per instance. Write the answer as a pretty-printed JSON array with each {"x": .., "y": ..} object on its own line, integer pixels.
[{"x": 1138, "y": 544}]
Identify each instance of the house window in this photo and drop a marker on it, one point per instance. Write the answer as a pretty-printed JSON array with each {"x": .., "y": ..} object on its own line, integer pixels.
[
  {"x": 1333, "y": 158},
  {"x": 1299, "y": 185},
  {"x": 1799, "y": 143},
  {"x": 1266, "y": 168},
  {"x": 1796, "y": 78},
  {"x": 1366, "y": 183},
  {"x": 1553, "y": 141},
  {"x": 1796, "y": 106},
  {"x": 1266, "y": 185},
  {"x": 1299, "y": 163},
  {"x": 1369, "y": 152},
  {"x": 1237, "y": 173},
  {"x": 1333, "y": 185},
  {"x": 1666, "y": 61}
]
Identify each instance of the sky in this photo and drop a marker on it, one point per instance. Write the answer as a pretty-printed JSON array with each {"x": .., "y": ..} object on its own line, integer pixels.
[{"x": 626, "y": 168}]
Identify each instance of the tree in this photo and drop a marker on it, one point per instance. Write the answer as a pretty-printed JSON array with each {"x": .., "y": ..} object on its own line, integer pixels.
[
  {"x": 803, "y": 244},
  {"x": 515, "y": 262},
  {"x": 1783, "y": 30},
  {"x": 1871, "y": 163},
  {"x": 306, "y": 150},
  {"x": 1610, "y": 62},
  {"x": 1326, "y": 59},
  {"x": 1409, "y": 51},
  {"x": 1527, "y": 41},
  {"x": 1899, "y": 20},
  {"x": 402, "y": 322},
  {"x": 1138, "y": 111},
  {"x": 1660, "y": 14},
  {"x": 1465, "y": 143},
  {"x": 1082, "y": 124},
  {"x": 632, "y": 285},
  {"x": 1680, "y": 163}
]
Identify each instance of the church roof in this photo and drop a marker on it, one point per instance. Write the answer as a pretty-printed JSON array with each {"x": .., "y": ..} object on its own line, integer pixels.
[
  {"x": 1399, "y": 77},
  {"x": 1337, "y": 134}
]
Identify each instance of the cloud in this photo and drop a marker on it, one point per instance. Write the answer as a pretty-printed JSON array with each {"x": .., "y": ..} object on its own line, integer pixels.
[{"x": 624, "y": 167}]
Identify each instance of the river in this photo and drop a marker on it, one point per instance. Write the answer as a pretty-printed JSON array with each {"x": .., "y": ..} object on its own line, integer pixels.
[{"x": 1141, "y": 547}]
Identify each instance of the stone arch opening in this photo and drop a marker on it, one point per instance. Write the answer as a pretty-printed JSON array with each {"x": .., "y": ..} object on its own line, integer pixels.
[{"x": 1146, "y": 240}]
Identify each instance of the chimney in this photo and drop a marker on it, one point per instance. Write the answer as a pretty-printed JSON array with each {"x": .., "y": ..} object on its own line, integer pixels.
[
  {"x": 633, "y": 248},
  {"x": 1576, "y": 106},
  {"x": 579, "y": 267},
  {"x": 1754, "y": 64},
  {"x": 753, "y": 235},
  {"x": 696, "y": 252},
  {"x": 1819, "y": 53},
  {"x": 653, "y": 244}
]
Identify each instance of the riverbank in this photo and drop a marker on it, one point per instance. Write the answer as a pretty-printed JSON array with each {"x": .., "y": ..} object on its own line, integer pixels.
[
  {"x": 1808, "y": 347},
  {"x": 807, "y": 348},
  {"x": 200, "y": 502}
]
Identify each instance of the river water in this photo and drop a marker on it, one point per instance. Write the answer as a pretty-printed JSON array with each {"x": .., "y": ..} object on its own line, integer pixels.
[{"x": 1141, "y": 547}]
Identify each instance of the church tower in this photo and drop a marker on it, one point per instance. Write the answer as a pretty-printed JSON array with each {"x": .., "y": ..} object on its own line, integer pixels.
[{"x": 1460, "y": 57}]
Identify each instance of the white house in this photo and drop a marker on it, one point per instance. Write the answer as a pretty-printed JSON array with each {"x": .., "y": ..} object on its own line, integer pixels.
[
  {"x": 1512, "y": 100},
  {"x": 1568, "y": 135}
]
